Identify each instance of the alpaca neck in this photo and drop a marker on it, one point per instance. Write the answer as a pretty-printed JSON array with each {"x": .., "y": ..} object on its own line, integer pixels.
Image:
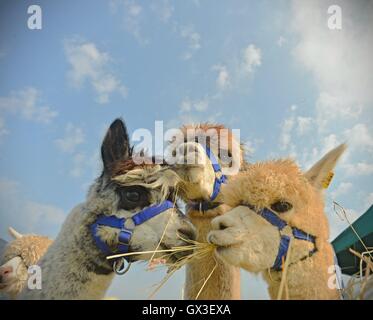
[
  {"x": 224, "y": 282},
  {"x": 73, "y": 268},
  {"x": 308, "y": 279}
]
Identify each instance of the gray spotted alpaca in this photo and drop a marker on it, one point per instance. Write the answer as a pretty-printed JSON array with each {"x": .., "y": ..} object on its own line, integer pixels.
[{"x": 75, "y": 265}]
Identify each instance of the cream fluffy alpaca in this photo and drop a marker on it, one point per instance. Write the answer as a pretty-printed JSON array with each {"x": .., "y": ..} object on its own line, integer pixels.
[
  {"x": 247, "y": 240},
  {"x": 197, "y": 184},
  {"x": 19, "y": 254}
]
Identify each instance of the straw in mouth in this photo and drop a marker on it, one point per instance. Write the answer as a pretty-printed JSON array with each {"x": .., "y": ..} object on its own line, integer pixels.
[{"x": 198, "y": 250}]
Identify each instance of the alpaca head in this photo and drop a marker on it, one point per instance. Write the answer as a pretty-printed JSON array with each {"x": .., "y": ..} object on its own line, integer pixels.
[
  {"x": 126, "y": 188},
  {"x": 195, "y": 167},
  {"x": 244, "y": 238},
  {"x": 19, "y": 254}
]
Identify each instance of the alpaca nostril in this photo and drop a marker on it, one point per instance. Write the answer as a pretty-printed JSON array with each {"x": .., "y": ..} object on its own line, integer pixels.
[
  {"x": 223, "y": 226},
  {"x": 5, "y": 271}
]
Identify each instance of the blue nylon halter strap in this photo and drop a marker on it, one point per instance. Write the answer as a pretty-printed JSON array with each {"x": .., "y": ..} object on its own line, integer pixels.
[
  {"x": 217, "y": 169},
  {"x": 276, "y": 221},
  {"x": 125, "y": 234}
]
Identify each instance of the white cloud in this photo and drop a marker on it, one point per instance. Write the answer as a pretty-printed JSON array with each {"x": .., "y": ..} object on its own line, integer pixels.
[
  {"x": 37, "y": 212},
  {"x": 293, "y": 107},
  {"x": 27, "y": 104},
  {"x": 285, "y": 136},
  {"x": 339, "y": 60},
  {"x": 237, "y": 72},
  {"x": 163, "y": 9},
  {"x": 251, "y": 58},
  {"x": 193, "y": 39},
  {"x": 27, "y": 216},
  {"x": 89, "y": 64},
  {"x": 133, "y": 16},
  {"x": 79, "y": 161},
  {"x": 281, "y": 41},
  {"x": 359, "y": 137},
  {"x": 358, "y": 169},
  {"x": 199, "y": 105},
  {"x": 134, "y": 9},
  {"x": 342, "y": 189},
  {"x": 74, "y": 136},
  {"x": 329, "y": 142},
  {"x": 304, "y": 124},
  {"x": 222, "y": 80}
]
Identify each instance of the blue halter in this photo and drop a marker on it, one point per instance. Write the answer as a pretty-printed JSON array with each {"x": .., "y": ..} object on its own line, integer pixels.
[
  {"x": 220, "y": 178},
  {"x": 276, "y": 221},
  {"x": 125, "y": 233}
]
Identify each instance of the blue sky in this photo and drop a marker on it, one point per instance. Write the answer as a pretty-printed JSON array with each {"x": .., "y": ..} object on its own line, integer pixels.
[{"x": 271, "y": 69}]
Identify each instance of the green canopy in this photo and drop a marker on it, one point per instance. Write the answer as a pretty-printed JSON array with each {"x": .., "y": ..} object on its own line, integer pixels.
[{"x": 348, "y": 262}]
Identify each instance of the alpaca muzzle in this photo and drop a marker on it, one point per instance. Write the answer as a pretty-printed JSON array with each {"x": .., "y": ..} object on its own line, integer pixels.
[{"x": 126, "y": 227}]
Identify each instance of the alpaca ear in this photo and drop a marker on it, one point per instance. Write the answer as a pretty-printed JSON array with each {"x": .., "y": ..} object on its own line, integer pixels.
[
  {"x": 320, "y": 173},
  {"x": 115, "y": 145},
  {"x": 15, "y": 234}
]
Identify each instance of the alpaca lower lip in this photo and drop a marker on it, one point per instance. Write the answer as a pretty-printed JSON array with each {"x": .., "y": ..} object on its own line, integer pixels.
[
  {"x": 221, "y": 247},
  {"x": 2, "y": 286}
]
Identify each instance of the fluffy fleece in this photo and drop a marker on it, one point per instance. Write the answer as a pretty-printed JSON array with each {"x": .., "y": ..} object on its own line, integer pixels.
[
  {"x": 196, "y": 185},
  {"x": 30, "y": 248},
  {"x": 247, "y": 240},
  {"x": 73, "y": 266}
]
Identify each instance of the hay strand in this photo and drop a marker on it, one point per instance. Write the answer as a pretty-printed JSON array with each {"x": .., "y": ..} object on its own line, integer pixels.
[
  {"x": 284, "y": 271},
  {"x": 207, "y": 279}
]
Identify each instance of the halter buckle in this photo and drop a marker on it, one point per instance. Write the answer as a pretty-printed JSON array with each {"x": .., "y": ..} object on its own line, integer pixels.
[{"x": 125, "y": 236}]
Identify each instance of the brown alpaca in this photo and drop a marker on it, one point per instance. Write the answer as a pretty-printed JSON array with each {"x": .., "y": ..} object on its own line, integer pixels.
[
  {"x": 196, "y": 187},
  {"x": 248, "y": 240}
]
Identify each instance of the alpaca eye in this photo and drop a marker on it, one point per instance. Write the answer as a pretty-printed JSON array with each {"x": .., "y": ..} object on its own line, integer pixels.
[
  {"x": 132, "y": 196},
  {"x": 281, "y": 206}
]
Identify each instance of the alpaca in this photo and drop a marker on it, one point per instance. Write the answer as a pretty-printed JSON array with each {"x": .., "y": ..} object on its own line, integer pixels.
[
  {"x": 199, "y": 187},
  {"x": 18, "y": 255},
  {"x": 274, "y": 203},
  {"x": 120, "y": 214}
]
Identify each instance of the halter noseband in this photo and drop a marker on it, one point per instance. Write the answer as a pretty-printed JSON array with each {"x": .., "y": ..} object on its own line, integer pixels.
[
  {"x": 126, "y": 229},
  {"x": 276, "y": 221},
  {"x": 220, "y": 178}
]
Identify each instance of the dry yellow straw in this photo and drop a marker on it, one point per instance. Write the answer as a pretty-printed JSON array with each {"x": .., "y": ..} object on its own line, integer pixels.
[
  {"x": 197, "y": 249},
  {"x": 161, "y": 284},
  {"x": 164, "y": 232},
  {"x": 284, "y": 272},
  {"x": 207, "y": 279},
  {"x": 369, "y": 263}
]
